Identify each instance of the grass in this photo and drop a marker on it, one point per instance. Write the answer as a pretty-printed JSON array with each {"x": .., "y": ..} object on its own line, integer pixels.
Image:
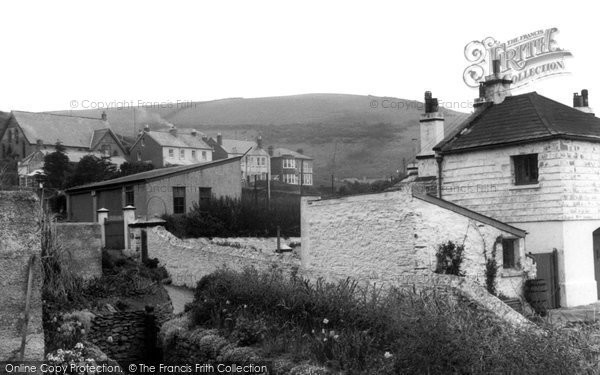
[{"x": 358, "y": 330}]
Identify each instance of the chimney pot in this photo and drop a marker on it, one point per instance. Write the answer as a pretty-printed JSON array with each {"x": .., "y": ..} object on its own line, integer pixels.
[
  {"x": 146, "y": 128},
  {"x": 496, "y": 66},
  {"x": 431, "y": 104},
  {"x": 103, "y": 116},
  {"x": 259, "y": 141},
  {"x": 194, "y": 132},
  {"x": 219, "y": 139},
  {"x": 270, "y": 150},
  {"x": 173, "y": 130},
  {"x": 584, "y": 95},
  {"x": 300, "y": 151}
]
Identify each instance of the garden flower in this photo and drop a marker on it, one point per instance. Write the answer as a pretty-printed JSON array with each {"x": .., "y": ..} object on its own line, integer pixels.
[
  {"x": 336, "y": 337},
  {"x": 325, "y": 321},
  {"x": 388, "y": 355},
  {"x": 83, "y": 331},
  {"x": 227, "y": 302},
  {"x": 79, "y": 346},
  {"x": 109, "y": 339},
  {"x": 245, "y": 306},
  {"x": 325, "y": 339}
]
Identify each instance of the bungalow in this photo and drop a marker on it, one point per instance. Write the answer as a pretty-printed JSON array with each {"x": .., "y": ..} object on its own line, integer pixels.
[
  {"x": 173, "y": 190},
  {"x": 531, "y": 162}
]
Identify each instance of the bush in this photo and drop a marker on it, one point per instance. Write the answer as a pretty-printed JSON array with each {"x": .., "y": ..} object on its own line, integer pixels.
[
  {"x": 449, "y": 258},
  {"x": 362, "y": 330},
  {"x": 226, "y": 217}
]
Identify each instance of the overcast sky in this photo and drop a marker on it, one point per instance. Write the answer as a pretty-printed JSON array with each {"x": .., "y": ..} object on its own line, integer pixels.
[{"x": 55, "y": 53}]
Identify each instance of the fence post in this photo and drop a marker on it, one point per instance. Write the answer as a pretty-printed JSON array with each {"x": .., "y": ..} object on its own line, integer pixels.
[
  {"x": 102, "y": 215},
  {"x": 128, "y": 217}
]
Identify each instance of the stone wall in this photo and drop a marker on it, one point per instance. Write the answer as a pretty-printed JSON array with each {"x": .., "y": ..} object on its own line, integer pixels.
[
  {"x": 187, "y": 261},
  {"x": 387, "y": 237},
  {"x": 83, "y": 241},
  {"x": 19, "y": 241},
  {"x": 129, "y": 336}
]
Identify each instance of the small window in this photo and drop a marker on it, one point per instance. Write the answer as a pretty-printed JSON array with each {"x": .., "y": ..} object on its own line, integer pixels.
[
  {"x": 129, "y": 196},
  {"x": 16, "y": 136},
  {"x": 171, "y": 153},
  {"x": 9, "y": 135},
  {"x": 204, "y": 198},
  {"x": 178, "y": 200},
  {"x": 509, "y": 253},
  {"x": 203, "y": 155},
  {"x": 526, "y": 169},
  {"x": 193, "y": 154},
  {"x": 139, "y": 156},
  {"x": 181, "y": 154},
  {"x": 143, "y": 142}
]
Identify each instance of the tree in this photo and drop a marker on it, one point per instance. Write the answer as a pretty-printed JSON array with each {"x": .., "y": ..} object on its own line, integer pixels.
[
  {"x": 57, "y": 168},
  {"x": 134, "y": 167},
  {"x": 92, "y": 169}
]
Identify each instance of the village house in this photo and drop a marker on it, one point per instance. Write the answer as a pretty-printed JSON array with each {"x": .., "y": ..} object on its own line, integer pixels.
[
  {"x": 291, "y": 167},
  {"x": 28, "y": 137},
  {"x": 255, "y": 162},
  {"x": 171, "y": 148},
  {"x": 531, "y": 162},
  {"x": 173, "y": 190}
]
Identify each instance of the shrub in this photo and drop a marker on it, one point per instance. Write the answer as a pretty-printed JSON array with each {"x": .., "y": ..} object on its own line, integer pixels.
[
  {"x": 363, "y": 330},
  {"x": 226, "y": 217},
  {"x": 449, "y": 258}
]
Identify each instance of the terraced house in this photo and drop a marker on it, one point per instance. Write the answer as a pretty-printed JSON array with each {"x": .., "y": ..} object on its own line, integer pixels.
[
  {"x": 171, "y": 148},
  {"x": 533, "y": 163},
  {"x": 255, "y": 161}
]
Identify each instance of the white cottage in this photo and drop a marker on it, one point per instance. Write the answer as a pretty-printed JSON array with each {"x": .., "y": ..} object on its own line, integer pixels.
[{"x": 531, "y": 162}]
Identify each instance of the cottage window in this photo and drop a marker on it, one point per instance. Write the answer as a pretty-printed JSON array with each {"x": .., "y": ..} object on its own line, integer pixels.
[
  {"x": 203, "y": 155},
  {"x": 307, "y": 179},
  {"x": 182, "y": 154},
  {"x": 178, "y": 199},
  {"x": 129, "y": 196},
  {"x": 9, "y": 135},
  {"x": 142, "y": 142},
  {"x": 526, "y": 169},
  {"x": 205, "y": 195},
  {"x": 510, "y": 250},
  {"x": 193, "y": 154},
  {"x": 171, "y": 153},
  {"x": 16, "y": 137},
  {"x": 139, "y": 156}
]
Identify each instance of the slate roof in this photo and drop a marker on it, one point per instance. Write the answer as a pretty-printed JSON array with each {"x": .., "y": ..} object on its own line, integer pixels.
[
  {"x": 181, "y": 140},
  {"x": 49, "y": 127},
  {"x": 518, "y": 119},
  {"x": 233, "y": 146},
  {"x": 279, "y": 152},
  {"x": 151, "y": 175}
]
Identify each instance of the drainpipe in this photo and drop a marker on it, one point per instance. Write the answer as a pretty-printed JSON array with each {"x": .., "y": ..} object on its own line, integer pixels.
[{"x": 439, "y": 158}]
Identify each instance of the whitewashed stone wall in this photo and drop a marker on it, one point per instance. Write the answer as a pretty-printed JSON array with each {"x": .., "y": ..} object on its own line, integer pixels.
[
  {"x": 187, "y": 261},
  {"x": 560, "y": 212},
  {"x": 390, "y": 237}
]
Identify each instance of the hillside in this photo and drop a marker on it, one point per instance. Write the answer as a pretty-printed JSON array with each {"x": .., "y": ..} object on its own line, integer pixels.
[{"x": 347, "y": 134}]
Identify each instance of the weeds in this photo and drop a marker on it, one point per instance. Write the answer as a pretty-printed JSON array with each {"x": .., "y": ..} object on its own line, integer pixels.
[{"x": 364, "y": 330}]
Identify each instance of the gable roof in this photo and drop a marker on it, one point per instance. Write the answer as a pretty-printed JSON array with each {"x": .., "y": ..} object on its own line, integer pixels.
[
  {"x": 152, "y": 174},
  {"x": 71, "y": 131},
  {"x": 100, "y": 133},
  {"x": 279, "y": 152},
  {"x": 181, "y": 140},
  {"x": 234, "y": 146},
  {"x": 470, "y": 214},
  {"x": 518, "y": 119}
]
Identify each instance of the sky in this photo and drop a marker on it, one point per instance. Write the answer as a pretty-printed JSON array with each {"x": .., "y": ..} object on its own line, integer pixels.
[{"x": 75, "y": 54}]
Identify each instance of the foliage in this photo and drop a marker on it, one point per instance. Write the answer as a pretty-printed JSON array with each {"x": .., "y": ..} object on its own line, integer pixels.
[
  {"x": 8, "y": 173},
  {"x": 226, "y": 217},
  {"x": 378, "y": 186},
  {"x": 133, "y": 167},
  {"x": 449, "y": 258},
  {"x": 57, "y": 168},
  {"x": 491, "y": 268},
  {"x": 362, "y": 330},
  {"x": 92, "y": 169}
]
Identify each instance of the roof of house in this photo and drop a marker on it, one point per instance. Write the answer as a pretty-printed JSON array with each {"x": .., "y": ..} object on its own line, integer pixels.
[
  {"x": 180, "y": 139},
  {"x": 74, "y": 156},
  {"x": 71, "y": 131},
  {"x": 100, "y": 133},
  {"x": 279, "y": 152},
  {"x": 151, "y": 175},
  {"x": 518, "y": 119},
  {"x": 234, "y": 146},
  {"x": 470, "y": 214}
]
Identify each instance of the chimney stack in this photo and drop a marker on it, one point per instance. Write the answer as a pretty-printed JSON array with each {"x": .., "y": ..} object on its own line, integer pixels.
[
  {"x": 431, "y": 127},
  {"x": 219, "y": 139},
  {"x": 581, "y": 102},
  {"x": 173, "y": 130},
  {"x": 270, "y": 150},
  {"x": 38, "y": 145},
  {"x": 146, "y": 128},
  {"x": 259, "y": 141},
  {"x": 194, "y": 132},
  {"x": 103, "y": 116},
  {"x": 495, "y": 88},
  {"x": 300, "y": 151}
]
